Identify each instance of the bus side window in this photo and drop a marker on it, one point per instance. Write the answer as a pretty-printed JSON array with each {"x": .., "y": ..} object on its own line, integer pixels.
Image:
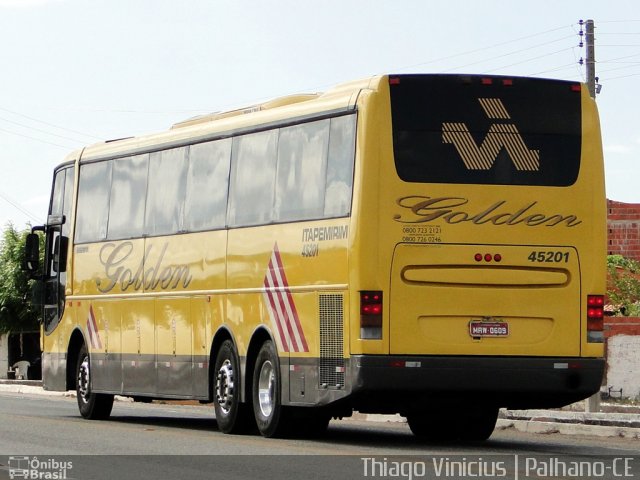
[
  {"x": 93, "y": 202},
  {"x": 253, "y": 172},
  {"x": 301, "y": 171},
  {"x": 207, "y": 185},
  {"x": 340, "y": 166}
]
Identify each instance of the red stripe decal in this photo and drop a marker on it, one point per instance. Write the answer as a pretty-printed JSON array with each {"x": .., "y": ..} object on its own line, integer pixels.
[
  {"x": 281, "y": 306},
  {"x": 92, "y": 330}
]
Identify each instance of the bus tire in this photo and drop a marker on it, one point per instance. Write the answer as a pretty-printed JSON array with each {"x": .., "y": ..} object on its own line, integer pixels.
[
  {"x": 431, "y": 426},
  {"x": 477, "y": 424},
  {"x": 92, "y": 406},
  {"x": 232, "y": 416},
  {"x": 270, "y": 415}
]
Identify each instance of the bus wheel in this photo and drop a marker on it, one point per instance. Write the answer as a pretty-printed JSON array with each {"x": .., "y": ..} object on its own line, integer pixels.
[
  {"x": 267, "y": 407},
  {"x": 93, "y": 406},
  {"x": 231, "y": 415},
  {"x": 477, "y": 424},
  {"x": 431, "y": 426}
]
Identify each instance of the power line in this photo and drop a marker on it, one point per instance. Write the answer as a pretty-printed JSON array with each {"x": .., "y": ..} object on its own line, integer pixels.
[
  {"x": 14, "y": 204},
  {"x": 50, "y": 124},
  {"x": 66, "y": 147},
  {"x": 40, "y": 130},
  {"x": 514, "y": 52},
  {"x": 622, "y": 76},
  {"x": 555, "y": 69},
  {"x": 468, "y": 52},
  {"x": 529, "y": 60}
]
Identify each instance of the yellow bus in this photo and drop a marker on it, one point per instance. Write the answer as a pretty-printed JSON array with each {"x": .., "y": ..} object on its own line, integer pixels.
[{"x": 429, "y": 245}]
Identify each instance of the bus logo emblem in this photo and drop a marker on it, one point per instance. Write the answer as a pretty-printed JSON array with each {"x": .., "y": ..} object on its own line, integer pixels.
[{"x": 501, "y": 135}]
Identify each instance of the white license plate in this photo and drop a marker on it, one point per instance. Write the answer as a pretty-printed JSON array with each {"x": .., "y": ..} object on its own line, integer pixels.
[{"x": 488, "y": 329}]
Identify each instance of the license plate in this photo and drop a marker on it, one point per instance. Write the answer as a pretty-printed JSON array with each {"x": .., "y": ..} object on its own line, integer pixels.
[{"x": 479, "y": 328}]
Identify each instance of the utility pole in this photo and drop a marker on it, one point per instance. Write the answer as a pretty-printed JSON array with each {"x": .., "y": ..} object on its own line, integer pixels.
[
  {"x": 592, "y": 404},
  {"x": 591, "y": 58},
  {"x": 590, "y": 61}
]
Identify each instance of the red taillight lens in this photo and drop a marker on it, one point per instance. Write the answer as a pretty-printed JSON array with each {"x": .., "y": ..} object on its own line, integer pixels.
[
  {"x": 595, "y": 318},
  {"x": 371, "y": 315},
  {"x": 371, "y": 309}
]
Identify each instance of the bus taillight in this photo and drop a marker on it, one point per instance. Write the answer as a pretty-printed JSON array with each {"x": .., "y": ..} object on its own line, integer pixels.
[
  {"x": 595, "y": 318},
  {"x": 371, "y": 315}
]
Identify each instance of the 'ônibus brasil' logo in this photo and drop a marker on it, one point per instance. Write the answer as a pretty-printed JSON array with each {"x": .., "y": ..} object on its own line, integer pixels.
[{"x": 501, "y": 135}]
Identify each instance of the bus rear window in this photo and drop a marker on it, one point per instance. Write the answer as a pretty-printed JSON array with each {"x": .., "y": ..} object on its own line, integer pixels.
[{"x": 485, "y": 130}]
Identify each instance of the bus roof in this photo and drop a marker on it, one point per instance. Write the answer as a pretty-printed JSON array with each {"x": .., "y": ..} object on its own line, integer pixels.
[
  {"x": 224, "y": 124},
  {"x": 278, "y": 111}
]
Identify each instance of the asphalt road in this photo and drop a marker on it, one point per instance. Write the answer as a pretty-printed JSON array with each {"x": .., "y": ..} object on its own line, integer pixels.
[{"x": 182, "y": 441}]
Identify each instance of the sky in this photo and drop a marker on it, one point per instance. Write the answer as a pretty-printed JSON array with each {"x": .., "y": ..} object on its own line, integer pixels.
[{"x": 76, "y": 72}]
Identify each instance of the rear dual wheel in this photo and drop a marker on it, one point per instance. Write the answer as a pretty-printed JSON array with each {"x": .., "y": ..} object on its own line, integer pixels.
[
  {"x": 270, "y": 415},
  {"x": 272, "y": 418}
]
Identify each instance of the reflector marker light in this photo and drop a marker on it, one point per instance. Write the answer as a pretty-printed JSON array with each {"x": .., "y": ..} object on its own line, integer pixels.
[{"x": 487, "y": 257}]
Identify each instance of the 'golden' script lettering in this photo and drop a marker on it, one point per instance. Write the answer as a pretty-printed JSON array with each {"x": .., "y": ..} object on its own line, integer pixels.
[
  {"x": 454, "y": 210},
  {"x": 149, "y": 276}
]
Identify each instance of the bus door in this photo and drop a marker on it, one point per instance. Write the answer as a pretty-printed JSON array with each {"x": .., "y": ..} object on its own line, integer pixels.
[{"x": 56, "y": 247}]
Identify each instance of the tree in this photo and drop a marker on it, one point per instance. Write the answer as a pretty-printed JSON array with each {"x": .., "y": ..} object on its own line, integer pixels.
[
  {"x": 17, "y": 314},
  {"x": 624, "y": 284}
]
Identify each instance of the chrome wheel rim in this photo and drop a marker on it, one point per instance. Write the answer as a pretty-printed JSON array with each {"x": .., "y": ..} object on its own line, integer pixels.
[
  {"x": 266, "y": 388},
  {"x": 225, "y": 386},
  {"x": 84, "y": 379}
]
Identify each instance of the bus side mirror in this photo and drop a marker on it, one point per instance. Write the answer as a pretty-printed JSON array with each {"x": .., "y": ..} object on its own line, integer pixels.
[
  {"x": 32, "y": 253},
  {"x": 60, "y": 253}
]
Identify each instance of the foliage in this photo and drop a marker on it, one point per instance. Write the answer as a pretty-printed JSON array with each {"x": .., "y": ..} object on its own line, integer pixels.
[
  {"x": 624, "y": 287},
  {"x": 16, "y": 312},
  {"x": 619, "y": 261}
]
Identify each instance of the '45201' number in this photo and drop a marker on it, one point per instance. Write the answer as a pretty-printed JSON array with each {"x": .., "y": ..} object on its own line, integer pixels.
[{"x": 549, "y": 257}]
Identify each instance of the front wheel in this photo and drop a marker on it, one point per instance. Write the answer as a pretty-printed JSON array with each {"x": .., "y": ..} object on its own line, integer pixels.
[
  {"x": 92, "y": 406},
  {"x": 267, "y": 406}
]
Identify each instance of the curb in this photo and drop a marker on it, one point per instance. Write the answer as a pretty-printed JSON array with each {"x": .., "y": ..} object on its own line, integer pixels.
[
  {"x": 538, "y": 427},
  {"x": 611, "y": 419}
]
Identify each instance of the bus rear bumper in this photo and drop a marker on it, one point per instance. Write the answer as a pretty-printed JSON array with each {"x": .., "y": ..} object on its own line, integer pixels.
[{"x": 512, "y": 382}]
